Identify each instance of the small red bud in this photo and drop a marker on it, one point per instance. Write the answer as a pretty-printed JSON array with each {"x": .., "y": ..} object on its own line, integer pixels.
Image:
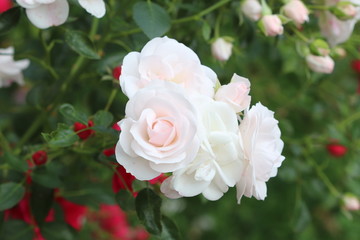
[
  {"x": 84, "y": 134},
  {"x": 116, "y": 127},
  {"x": 5, "y": 5},
  {"x": 109, "y": 151},
  {"x": 336, "y": 150},
  {"x": 39, "y": 157},
  {"x": 355, "y": 65},
  {"x": 116, "y": 72}
]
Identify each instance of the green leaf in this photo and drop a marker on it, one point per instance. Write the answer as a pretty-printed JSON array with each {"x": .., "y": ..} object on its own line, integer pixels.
[
  {"x": 56, "y": 231},
  {"x": 90, "y": 196},
  {"x": 103, "y": 118},
  {"x": 61, "y": 137},
  {"x": 16, "y": 230},
  {"x": 9, "y": 19},
  {"x": 169, "y": 229},
  {"x": 153, "y": 20},
  {"x": 15, "y": 162},
  {"x": 40, "y": 202},
  {"x": 148, "y": 205},
  {"x": 10, "y": 194},
  {"x": 46, "y": 178},
  {"x": 206, "y": 31},
  {"x": 125, "y": 200},
  {"x": 69, "y": 112},
  {"x": 80, "y": 43}
]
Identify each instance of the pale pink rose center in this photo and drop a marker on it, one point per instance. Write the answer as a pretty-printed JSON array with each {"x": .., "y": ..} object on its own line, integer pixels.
[{"x": 161, "y": 133}]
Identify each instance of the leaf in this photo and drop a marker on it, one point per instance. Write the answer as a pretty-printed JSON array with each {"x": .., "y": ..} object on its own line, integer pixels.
[
  {"x": 16, "y": 230},
  {"x": 125, "y": 200},
  {"x": 46, "y": 178},
  {"x": 69, "y": 112},
  {"x": 169, "y": 229},
  {"x": 153, "y": 20},
  {"x": 103, "y": 118},
  {"x": 61, "y": 137},
  {"x": 148, "y": 205},
  {"x": 9, "y": 19},
  {"x": 41, "y": 201},
  {"x": 81, "y": 44},
  {"x": 206, "y": 31},
  {"x": 10, "y": 194},
  {"x": 16, "y": 163},
  {"x": 56, "y": 231}
]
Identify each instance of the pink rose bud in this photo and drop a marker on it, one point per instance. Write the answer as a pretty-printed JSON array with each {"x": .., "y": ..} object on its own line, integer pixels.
[
  {"x": 351, "y": 202},
  {"x": 5, "y": 5},
  {"x": 116, "y": 72},
  {"x": 221, "y": 49},
  {"x": 236, "y": 93},
  {"x": 39, "y": 157},
  {"x": 320, "y": 64},
  {"x": 251, "y": 9},
  {"x": 336, "y": 149},
  {"x": 296, "y": 11},
  {"x": 272, "y": 25}
]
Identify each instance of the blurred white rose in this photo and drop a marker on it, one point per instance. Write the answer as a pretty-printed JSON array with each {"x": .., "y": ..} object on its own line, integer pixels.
[
  {"x": 351, "y": 202},
  {"x": 262, "y": 147},
  {"x": 218, "y": 163},
  {"x": 168, "y": 60},
  {"x": 159, "y": 131},
  {"x": 252, "y": 9},
  {"x": 296, "y": 11},
  {"x": 320, "y": 64},
  {"x": 236, "y": 93},
  {"x": 221, "y": 49},
  {"x": 10, "y": 70},
  {"x": 272, "y": 25}
]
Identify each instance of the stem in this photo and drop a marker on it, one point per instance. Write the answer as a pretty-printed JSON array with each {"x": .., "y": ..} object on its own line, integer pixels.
[
  {"x": 4, "y": 143},
  {"x": 300, "y": 35},
  {"x": 349, "y": 120},
  {"x": 318, "y": 7},
  {"x": 111, "y": 99}
]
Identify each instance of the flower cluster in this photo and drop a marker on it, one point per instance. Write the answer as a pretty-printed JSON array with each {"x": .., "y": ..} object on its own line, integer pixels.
[
  {"x": 180, "y": 121},
  {"x": 44, "y": 14}
]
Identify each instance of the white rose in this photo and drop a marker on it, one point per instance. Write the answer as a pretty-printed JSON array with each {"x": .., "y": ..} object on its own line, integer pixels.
[
  {"x": 236, "y": 93},
  {"x": 321, "y": 64},
  {"x": 252, "y": 9},
  {"x": 262, "y": 146},
  {"x": 168, "y": 60},
  {"x": 272, "y": 25},
  {"x": 10, "y": 70},
  {"x": 297, "y": 11},
  {"x": 351, "y": 202},
  {"x": 218, "y": 163},
  {"x": 221, "y": 49},
  {"x": 159, "y": 132}
]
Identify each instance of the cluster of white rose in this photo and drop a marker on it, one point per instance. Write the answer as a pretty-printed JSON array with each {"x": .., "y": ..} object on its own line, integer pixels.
[
  {"x": 180, "y": 121},
  {"x": 10, "y": 70},
  {"x": 47, "y": 13},
  {"x": 337, "y": 19}
]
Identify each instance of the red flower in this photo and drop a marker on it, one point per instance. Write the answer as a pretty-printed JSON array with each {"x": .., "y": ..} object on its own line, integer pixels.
[
  {"x": 116, "y": 127},
  {"x": 122, "y": 180},
  {"x": 158, "y": 179},
  {"x": 109, "y": 151},
  {"x": 5, "y": 5},
  {"x": 116, "y": 72},
  {"x": 86, "y": 133},
  {"x": 355, "y": 64},
  {"x": 336, "y": 150},
  {"x": 39, "y": 157},
  {"x": 75, "y": 214}
]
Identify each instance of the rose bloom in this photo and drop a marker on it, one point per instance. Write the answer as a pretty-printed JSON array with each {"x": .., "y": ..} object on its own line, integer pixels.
[
  {"x": 159, "y": 132},
  {"x": 272, "y": 25},
  {"x": 218, "y": 163},
  {"x": 335, "y": 30},
  {"x": 236, "y": 93},
  {"x": 320, "y": 64},
  {"x": 251, "y": 9},
  {"x": 262, "y": 147},
  {"x": 221, "y": 49},
  {"x": 46, "y": 13},
  {"x": 168, "y": 60},
  {"x": 297, "y": 11},
  {"x": 10, "y": 70}
]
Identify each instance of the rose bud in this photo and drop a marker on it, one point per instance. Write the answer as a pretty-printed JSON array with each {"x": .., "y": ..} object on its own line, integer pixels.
[
  {"x": 221, "y": 49},
  {"x": 39, "y": 157},
  {"x": 109, "y": 151},
  {"x": 320, "y": 64},
  {"x": 271, "y": 25},
  {"x": 116, "y": 127},
  {"x": 351, "y": 202},
  {"x": 344, "y": 10},
  {"x": 251, "y": 9},
  {"x": 296, "y": 11},
  {"x": 117, "y": 72},
  {"x": 78, "y": 127},
  {"x": 5, "y": 5},
  {"x": 336, "y": 150},
  {"x": 355, "y": 64}
]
